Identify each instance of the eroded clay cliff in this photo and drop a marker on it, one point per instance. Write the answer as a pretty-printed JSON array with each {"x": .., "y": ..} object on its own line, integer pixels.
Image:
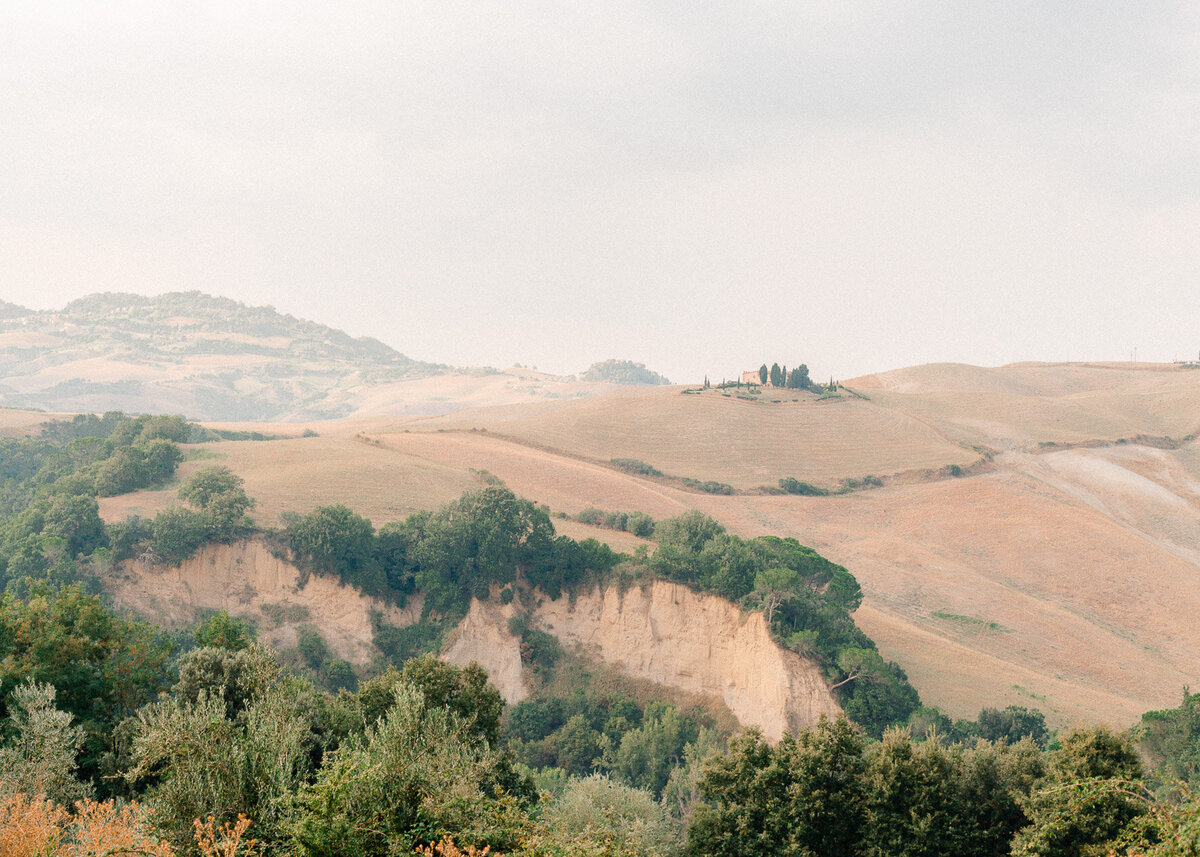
[
  {"x": 249, "y": 581},
  {"x": 663, "y": 632}
]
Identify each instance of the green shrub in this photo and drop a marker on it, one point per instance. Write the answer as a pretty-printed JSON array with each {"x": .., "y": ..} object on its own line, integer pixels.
[
  {"x": 400, "y": 644},
  {"x": 591, "y": 516},
  {"x": 795, "y": 486},
  {"x": 178, "y": 533},
  {"x": 312, "y": 647},
  {"x": 708, "y": 487},
  {"x": 635, "y": 466}
]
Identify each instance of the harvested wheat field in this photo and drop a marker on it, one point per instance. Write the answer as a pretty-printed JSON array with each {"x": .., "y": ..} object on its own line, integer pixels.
[
  {"x": 711, "y": 436},
  {"x": 1002, "y": 588},
  {"x": 1031, "y": 404},
  {"x": 298, "y": 474}
]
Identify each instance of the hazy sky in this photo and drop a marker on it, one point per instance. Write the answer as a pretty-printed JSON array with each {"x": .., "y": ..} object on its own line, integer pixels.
[{"x": 697, "y": 186}]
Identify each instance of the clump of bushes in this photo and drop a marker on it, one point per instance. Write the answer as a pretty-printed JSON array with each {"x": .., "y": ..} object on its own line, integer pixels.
[
  {"x": 635, "y": 466},
  {"x": 868, "y": 481},
  {"x": 216, "y": 512},
  {"x": 794, "y": 486},
  {"x": 708, "y": 487},
  {"x": 539, "y": 650},
  {"x": 638, "y": 523}
]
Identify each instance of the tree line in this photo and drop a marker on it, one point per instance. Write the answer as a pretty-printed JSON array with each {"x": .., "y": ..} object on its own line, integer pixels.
[
  {"x": 199, "y": 739},
  {"x": 779, "y": 376}
]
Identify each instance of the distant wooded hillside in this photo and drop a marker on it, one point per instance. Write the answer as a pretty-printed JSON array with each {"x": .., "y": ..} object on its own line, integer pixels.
[
  {"x": 623, "y": 372},
  {"x": 217, "y": 359}
]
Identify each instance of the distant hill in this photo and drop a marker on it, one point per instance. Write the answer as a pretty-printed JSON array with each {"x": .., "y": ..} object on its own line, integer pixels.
[
  {"x": 1035, "y": 540},
  {"x": 622, "y": 372},
  {"x": 8, "y": 310},
  {"x": 214, "y": 358}
]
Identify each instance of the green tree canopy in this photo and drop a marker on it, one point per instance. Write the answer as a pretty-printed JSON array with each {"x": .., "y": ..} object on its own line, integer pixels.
[
  {"x": 1067, "y": 817},
  {"x": 335, "y": 540},
  {"x": 804, "y": 797},
  {"x": 417, "y": 775}
]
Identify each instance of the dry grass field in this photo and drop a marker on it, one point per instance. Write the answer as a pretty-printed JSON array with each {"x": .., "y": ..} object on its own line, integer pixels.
[
  {"x": 1025, "y": 404},
  {"x": 724, "y": 438},
  {"x": 17, "y": 422},
  {"x": 1064, "y": 576}
]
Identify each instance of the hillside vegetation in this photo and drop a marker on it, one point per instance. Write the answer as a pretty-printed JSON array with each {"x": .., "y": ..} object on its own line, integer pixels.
[
  {"x": 623, "y": 372},
  {"x": 214, "y": 744}
]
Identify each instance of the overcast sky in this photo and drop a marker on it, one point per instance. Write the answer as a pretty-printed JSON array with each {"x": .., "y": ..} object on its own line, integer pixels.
[{"x": 697, "y": 186}]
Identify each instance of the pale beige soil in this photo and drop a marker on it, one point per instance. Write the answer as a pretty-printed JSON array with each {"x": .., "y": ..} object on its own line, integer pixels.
[
  {"x": 17, "y": 422},
  {"x": 248, "y": 581},
  {"x": 709, "y": 437}
]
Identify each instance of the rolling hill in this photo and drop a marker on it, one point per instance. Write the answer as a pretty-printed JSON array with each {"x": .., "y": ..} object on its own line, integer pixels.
[
  {"x": 1029, "y": 534},
  {"x": 1059, "y": 570},
  {"x": 216, "y": 359}
]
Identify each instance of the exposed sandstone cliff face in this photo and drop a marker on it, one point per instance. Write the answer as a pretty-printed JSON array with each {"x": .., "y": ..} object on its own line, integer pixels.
[
  {"x": 249, "y": 581},
  {"x": 664, "y": 633},
  {"x": 667, "y": 634},
  {"x": 697, "y": 643},
  {"x": 483, "y": 637}
]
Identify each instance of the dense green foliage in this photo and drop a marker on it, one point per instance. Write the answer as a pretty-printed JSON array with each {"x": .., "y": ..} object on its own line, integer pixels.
[
  {"x": 635, "y": 466},
  {"x": 1063, "y": 825},
  {"x": 50, "y": 526},
  {"x": 335, "y": 540},
  {"x": 489, "y": 538},
  {"x": 1170, "y": 741},
  {"x": 102, "y": 666},
  {"x": 585, "y": 731},
  {"x": 426, "y": 751},
  {"x": 414, "y": 776},
  {"x": 216, "y": 513},
  {"x": 708, "y": 486},
  {"x": 638, "y": 523},
  {"x": 1010, "y": 724},
  {"x": 792, "y": 485},
  {"x": 828, "y": 792},
  {"x": 779, "y": 376}
]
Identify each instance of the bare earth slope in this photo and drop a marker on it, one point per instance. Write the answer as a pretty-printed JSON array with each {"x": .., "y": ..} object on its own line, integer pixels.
[
  {"x": 247, "y": 580},
  {"x": 1062, "y": 572},
  {"x": 666, "y": 634}
]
